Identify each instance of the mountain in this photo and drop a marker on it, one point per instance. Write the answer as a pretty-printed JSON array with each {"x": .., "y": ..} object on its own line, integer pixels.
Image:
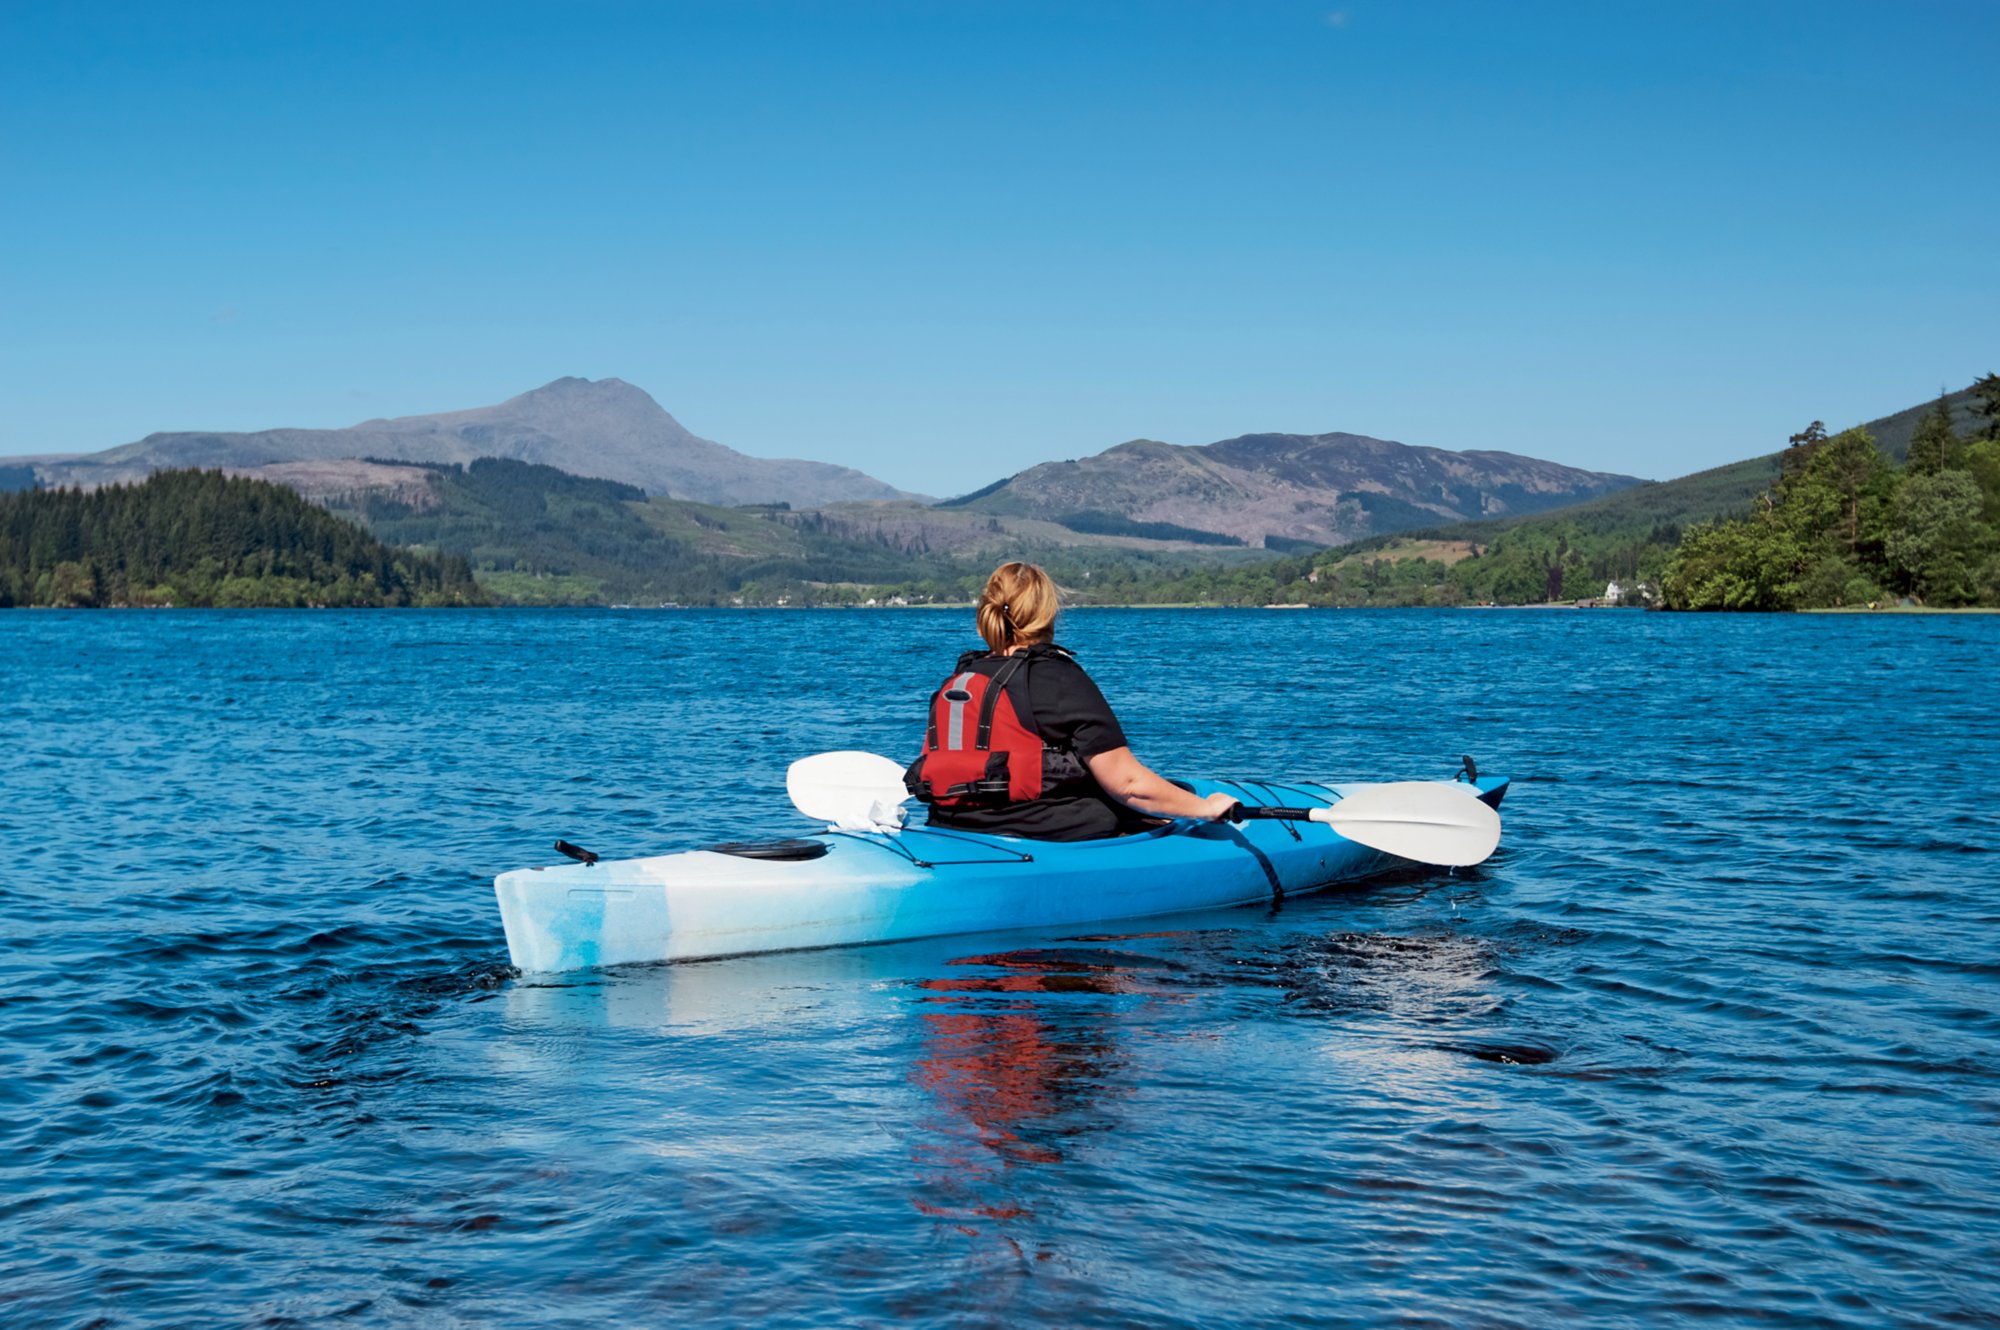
[
  {"x": 1284, "y": 491},
  {"x": 606, "y": 429}
]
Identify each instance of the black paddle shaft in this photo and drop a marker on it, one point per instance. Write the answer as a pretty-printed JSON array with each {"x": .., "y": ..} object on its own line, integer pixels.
[{"x": 1240, "y": 813}]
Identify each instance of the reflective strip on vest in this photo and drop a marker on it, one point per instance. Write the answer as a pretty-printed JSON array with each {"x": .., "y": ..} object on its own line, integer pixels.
[{"x": 955, "y": 729}]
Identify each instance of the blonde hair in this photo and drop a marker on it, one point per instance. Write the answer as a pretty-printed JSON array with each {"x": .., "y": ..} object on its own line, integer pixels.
[{"x": 1018, "y": 607}]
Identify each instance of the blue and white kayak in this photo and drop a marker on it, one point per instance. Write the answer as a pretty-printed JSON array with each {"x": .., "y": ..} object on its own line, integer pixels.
[{"x": 843, "y": 888}]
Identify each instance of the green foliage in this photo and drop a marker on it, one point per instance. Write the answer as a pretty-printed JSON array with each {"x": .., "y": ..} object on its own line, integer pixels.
[
  {"x": 516, "y": 588},
  {"x": 1982, "y": 463},
  {"x": 199, "y": 538},
  {"x": 1750, "y": 565},
  {"x": 1937, "y": 537},
  {"x": 1843, "y": 524},
  {"x": 1841, "y": 491}
]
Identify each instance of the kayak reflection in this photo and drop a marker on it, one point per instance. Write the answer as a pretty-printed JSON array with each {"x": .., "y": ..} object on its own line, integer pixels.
[{"x": 1019, "y": 1069}]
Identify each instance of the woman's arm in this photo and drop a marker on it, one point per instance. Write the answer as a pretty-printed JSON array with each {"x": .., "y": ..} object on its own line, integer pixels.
[{"x": 1132, "y": 783}]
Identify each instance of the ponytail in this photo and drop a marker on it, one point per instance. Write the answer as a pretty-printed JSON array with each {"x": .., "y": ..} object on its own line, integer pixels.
[{"x": 1018, "y": 607}]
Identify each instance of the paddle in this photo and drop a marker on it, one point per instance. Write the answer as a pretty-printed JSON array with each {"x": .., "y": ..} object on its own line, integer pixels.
[
  {"x": 1427, "y": 822},
  {"x": 1423, "y": 821},
  {"x": 849, "y": 790}
]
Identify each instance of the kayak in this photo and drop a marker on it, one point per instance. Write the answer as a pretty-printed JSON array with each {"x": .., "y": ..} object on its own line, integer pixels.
[{"x": 842, "y": 888}]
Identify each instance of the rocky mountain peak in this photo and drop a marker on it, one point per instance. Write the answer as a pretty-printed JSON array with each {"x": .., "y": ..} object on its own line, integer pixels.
[{"x": 570, "y": 388}]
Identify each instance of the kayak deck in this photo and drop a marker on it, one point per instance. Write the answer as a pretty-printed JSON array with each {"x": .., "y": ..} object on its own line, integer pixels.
[{"x": 847, "y": 888}]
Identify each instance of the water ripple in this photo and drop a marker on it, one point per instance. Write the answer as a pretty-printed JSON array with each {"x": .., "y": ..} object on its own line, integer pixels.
[{"x": 1714, "y": 1038}]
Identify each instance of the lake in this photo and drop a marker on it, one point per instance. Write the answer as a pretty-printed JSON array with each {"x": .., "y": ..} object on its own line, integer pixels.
[{"x": 1715, "y": 1037}]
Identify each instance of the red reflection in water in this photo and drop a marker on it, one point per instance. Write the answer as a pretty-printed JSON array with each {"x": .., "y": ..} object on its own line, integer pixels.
[
  {"x": 996, "y": 1071},
  {"x": 1013, "y": 1079}
]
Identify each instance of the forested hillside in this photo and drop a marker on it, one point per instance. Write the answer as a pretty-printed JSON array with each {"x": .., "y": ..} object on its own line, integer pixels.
[
  {"x": 199, "y": 538},
  {"x": 1628, "y": 537},
  {"x": 536, "y": 535},
  {"x": 1845, "y": 526}
]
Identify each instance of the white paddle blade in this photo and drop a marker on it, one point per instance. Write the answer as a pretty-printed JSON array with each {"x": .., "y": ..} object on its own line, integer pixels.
[
  {"x": 1425, "y": 821},
  {"x": 849, "y": 790}
]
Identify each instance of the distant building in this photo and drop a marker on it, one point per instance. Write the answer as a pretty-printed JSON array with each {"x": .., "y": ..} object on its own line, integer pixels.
[{"x": 1613, "y": 593}]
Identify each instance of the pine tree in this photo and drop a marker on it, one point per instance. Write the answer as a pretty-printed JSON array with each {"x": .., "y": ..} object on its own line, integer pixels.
[
  {"x": 1801, "y": 447},
  {"x": 1987, "y": 390},
  {"x": 1934, "y": 445}
]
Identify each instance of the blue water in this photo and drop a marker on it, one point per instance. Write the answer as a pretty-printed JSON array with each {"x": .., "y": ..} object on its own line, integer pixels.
[{"x": 1715, "y": 1038}]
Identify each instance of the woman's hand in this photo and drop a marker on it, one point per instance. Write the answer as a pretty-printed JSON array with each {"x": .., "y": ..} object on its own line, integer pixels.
[{"x": 1217, "y": 807}]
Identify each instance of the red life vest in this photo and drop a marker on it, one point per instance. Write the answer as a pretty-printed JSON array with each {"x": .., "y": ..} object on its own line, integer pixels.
[{"x": 981, "y": 749}]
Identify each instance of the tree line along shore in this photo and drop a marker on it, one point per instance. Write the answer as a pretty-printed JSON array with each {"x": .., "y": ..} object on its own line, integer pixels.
[
  {"x": 202, "y": 539},
  {"x": 1845, "y": 527}
]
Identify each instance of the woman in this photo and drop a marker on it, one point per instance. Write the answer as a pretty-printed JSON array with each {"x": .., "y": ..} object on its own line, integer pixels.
[{"x": 1021, "y": 742}]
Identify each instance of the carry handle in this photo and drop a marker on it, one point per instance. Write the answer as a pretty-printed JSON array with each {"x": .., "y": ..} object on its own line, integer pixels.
[{"x": 576, "y": 852}]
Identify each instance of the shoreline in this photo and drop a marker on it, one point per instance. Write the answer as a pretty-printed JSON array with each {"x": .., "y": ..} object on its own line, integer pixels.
[
  {"x": 967, "y": 605},
  {"x": 1900, "y": 609}
]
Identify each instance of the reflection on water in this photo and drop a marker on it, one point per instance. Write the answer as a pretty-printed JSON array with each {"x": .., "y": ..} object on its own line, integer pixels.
[{"x": 1019, "y": 1065}]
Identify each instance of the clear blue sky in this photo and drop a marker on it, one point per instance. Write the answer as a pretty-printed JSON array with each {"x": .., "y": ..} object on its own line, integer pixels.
[{"x": 941, "y": 241}]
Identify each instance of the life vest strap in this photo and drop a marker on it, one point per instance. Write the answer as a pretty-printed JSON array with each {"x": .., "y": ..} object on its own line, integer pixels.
[
  {"x": 994, "y": 687},
  {"x": 974, "y": 788}
]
